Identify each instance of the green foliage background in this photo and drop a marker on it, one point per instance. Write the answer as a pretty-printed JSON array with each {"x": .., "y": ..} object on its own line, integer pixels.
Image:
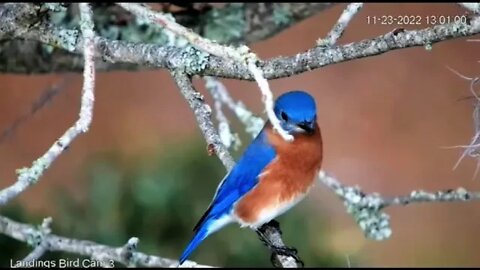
[{"x": 158, "y": 198}]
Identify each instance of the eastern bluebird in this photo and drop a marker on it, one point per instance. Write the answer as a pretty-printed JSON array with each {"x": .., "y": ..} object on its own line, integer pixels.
[{"x": 271, "y": 176}]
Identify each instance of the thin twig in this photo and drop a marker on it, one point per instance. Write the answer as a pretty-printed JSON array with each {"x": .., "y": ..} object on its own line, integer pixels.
[
  {"x": 228, "y": 138},
  {"x": 253, "y": 123},
  {"x": 145, "y": 12},
  {"x": 337, "y": 31},
  {"x": 29, "y": 176}
]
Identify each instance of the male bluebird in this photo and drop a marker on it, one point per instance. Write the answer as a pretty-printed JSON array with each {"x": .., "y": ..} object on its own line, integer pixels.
[{"x": 271, "y": 176}]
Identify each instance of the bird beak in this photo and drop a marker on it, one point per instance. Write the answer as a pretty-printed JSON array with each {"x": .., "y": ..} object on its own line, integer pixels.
[{"x": 308, "y": 127}]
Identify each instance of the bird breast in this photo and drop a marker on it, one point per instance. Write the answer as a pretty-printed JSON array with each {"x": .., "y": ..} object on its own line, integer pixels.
[{"x": 285, "y": 181}]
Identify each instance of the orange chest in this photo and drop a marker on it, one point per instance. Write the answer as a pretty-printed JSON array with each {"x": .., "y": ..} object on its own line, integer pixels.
[
  {"x": 292, "y": 172},
  {"x": 297, "y": 163},
  {"x": 284, "y": 182}
]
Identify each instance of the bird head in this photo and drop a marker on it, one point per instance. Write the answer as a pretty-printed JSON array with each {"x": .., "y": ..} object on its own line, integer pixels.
[{"x": 297, "y": 112}]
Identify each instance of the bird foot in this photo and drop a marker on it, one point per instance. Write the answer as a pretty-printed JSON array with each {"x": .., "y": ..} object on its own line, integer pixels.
[
  {"x": 277, "y": 250},
  {"x": 285, "y": 251}
]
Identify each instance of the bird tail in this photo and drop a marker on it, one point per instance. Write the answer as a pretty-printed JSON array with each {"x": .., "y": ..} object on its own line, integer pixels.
[
  {"x": 199, "y": 236},
  {"x": 208, "y": 227}
]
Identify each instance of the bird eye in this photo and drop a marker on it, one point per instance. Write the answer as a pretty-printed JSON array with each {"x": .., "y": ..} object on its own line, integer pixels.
[{"x": 284, "y": 116}]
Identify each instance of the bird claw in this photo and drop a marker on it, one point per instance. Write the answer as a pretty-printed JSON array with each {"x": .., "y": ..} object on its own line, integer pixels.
[{"x": 277, "y": 250}]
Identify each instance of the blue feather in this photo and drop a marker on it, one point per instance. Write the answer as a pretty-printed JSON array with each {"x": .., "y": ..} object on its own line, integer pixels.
[
  {"x": 240, "y": 180},
  {"x": 197, "y": 239}
]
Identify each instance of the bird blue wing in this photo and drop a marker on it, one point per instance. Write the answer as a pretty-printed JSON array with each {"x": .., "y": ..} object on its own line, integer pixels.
[{"x": 241, "y": 179}]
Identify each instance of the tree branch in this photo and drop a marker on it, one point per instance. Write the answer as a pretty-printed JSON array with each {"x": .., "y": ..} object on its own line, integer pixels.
[
  {"x": 234, "y": 23},
  {"x": 279, "y": 67},
  {"x": 202, "y": 113},
  {"x": 171, "y": 57},
  {"x": 201, "y": 43},
  {"x": 126, "y": 255},
  {"x": 41, "y": 247},
  {"x": 366, "y": 209},
  {"x": 217, "y": 91},
  {"x": 29, "y": 176}
]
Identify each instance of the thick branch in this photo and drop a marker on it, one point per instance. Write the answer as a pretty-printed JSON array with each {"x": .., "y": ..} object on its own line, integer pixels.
[
  {"x": 171, "y": 57},
  {"x": 234, "y": 23},
  {"x": 125, "y": 255},
  {"x": 279, "y": 67}
]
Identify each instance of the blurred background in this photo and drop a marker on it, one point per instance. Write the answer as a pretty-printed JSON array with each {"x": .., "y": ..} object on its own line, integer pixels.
[{"x": 143, "y": 170}]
